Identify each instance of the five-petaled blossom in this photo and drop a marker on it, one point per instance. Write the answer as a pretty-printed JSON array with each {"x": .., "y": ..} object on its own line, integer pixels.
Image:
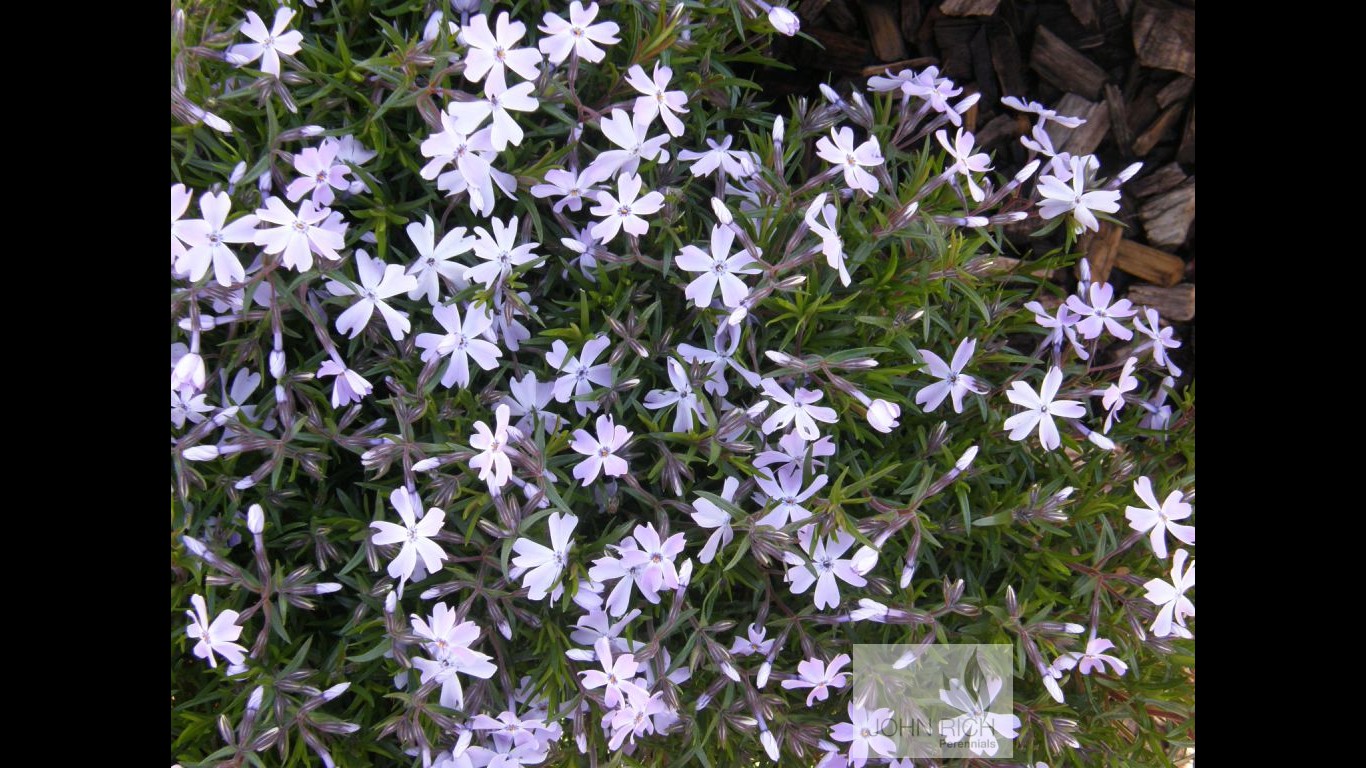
[
  {"x": 820, "y": 678},
  {"x": 824, "y": 563},
  {"x": 601, "y": 452},
  {"x": 720, "y": 268},
  {"x": 722, "y": 356},
  {"x": 1040, "y": 408},
  {"x": 682, "y": 394},
  {"x": 863, "y": 731},
  {"x": 1112, "y": 399},
  {"x": 1159, "y": 339},
  {"x": 470, "y": 115},
  {"x": 788, "y": 493},
  {"x": 1093, "y": 659},
  {"x": 215, "y": 636},
  {"x": 579, "y": 374},
  {"x": 838, "y": 149},
  {"x": 462, "y": 342},
  {"x": 965, "y": 163},
  {"x": 543, "y": 565},
  {"x": 617, "y": 675},
  {"x": 708, "y": 515},
  {"x": 527, "y": 401},
  {"x": 208, "y": 237},
  {"x": 579, "y": 35},
  {"x": 624, "y": 210},
  {"x": 270, "y": 43},
  {"x": 298, "y": 236},
  {"x": 1100, "y": 315},
  {"x": 1045, "y": 114},
  {"x": 415, "y": 536},
  {"x": 798, "y": 409},
  {"x": 1158, "y": 519},
  {"x": 753, "y": 642},
  {"x": 629, "y": 133},
  {"x": 652, "y": 563},
  {"x": 490, "y": 53},
  {"x": 495, "y": 468},
  {"x": 656, "y": 99},
  {"x": 349, "y": 386},
  {"x": 952, "y": 381},
  {"x": 320, "y": 174},
  {"x": 978, "y": 725},
  {"x": 378, "y": 281},
  {"x": 1170, "y": 597},
  {"x": 734, "y": 163},
  {"x": 449, "y": 644},
  {"x": 434, "y": 260},
  {"x": 1061, "y": 198},
  {"x": 499, "y": 252}
]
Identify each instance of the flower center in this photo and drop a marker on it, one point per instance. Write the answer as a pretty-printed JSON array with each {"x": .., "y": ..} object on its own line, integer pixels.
[
  {"x": 431, "y": 261},
  {"x": 576, "y": 31},
  {"x": 321, "y": 177},
  {"x": 300, "y": 226},
  {"x": 604, "y": 451},
  {"x": 849, "y": 159},
  {"x": 624, "y": 210},
  {"x": 499, "y": 53}
]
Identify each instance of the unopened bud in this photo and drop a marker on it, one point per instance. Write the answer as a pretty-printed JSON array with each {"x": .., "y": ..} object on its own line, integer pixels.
[
  {"x": 966, "y": 459},
  {"x": 764, "y": 669},
  {"x": 326, "y": 588},
  {"x": 427, "y": 465},
  {"x": 277, "y": 363},
  {"x": 201, "y": 453},
  {"x": 335, "y": 691},
  {"x": 722, "y": 212},
  {"x": 256, "y": 519}
]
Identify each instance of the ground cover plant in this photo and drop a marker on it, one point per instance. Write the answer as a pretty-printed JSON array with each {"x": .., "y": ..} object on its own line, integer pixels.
[{"x": 541, "y": 393}]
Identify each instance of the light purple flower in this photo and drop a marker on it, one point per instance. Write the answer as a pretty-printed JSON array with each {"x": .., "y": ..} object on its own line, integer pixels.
[
  {"x": 269, "y": 43},
  {"x": 579, "y": 374},
  {"x": 1045, "y": 114},
  {"x": 577, "y": 35},
  {"x": 734, "y": 163},
  {"x": 1093, "y": 659},
  {"x": 978, "y": 726},
  {"x": 348, "y": 387},
  {"x": 320, "y": 173},
  {"x": 1170, "y": 597},
  {"x": 1158, "y": 519},
  {"x": 629, "y": 133},
  {"x": 600, "y": 453},
  {"x": 617, "y": 676},
  {"x": 299, "y": 236},
  {"x": 415, "y": 536},
  {"x": 492, "y": 53},
  {"x": 1060, "y": 198},
  {"x": 207, "y": 239},
  {"x": 863, "y": 731},
  {"x": 624, "y": 211},
  {"x": 656, "y": 99},
  {"x": 215, "y": 636},
  {"x": 378, "y": 281},
  {"x": 1100, "y": 315},
  {"x": 1112, "y": 399},
  {"x": 492, "y": 461},
  {"x": 799, "y": 409},
  {"x": 470, "y": 115},
  {"x": 953, "y": 382},
  {"x": 681, "y": 395},
  {"x": 461, "y": 343},
  {"x": 965, "y": 163},
  {"x": 450, "y": 646},
  {"x": 825, "y": 564},
  {"x": 528, "y": 400},
  {"x": 1160, "y": 339},
  {"x": 499, "y": 252},
  {"x": 787, "y": 493},
  {"x": 434, "y": 260},
  {"x": 831, "y": 244},
  {"x": 1040, "y": 408},
  {"x": 814, "y": 674},
  {"x": 838, "y": 149},
  {"x": 543, "y": 565},
  {"x": 720, "y": 268},
  {"x": 572, "y": 188}
]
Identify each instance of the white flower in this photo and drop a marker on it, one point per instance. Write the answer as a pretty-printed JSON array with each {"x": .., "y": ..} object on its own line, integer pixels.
[
  {"x": 579, "y": 373},
  {"x": 461, "y": 343},
  {"x": 709, "y": 515},
  {"x": 572, "y": 187},
  {"x": 1045, "y": 114},
  {"x": 787, "y": 23},
  {"x": 883, "y": 416},
  {"x": 415, "y": 536},
  {"x": 863, "y": 731},
  {"x": 348, "y": 387},
  {"x": 1171, "y": 598},
  {"x": 378, "y": 281},
  {"x": 1159, "y": 339},
  {"x": 577, "y": 35},
  {"x": 472, "y": 170},
  {"x": 787, "y": 494},
  {"x": 434, "y": 262},
  {"x": 978, "y": 725},
  {"x": 726, "y": 342},
  {"x": 798, "y": 409},
  {"x": 838, "y": 148},
  {"x": 1158, "y": 519},
  {"x": 656, "y": 99},
  {"x": 831, "y": 243},
  {"x": 492, "y": 461},
  {"x": 470, "y": 115},
  {"x": 1040, "y": 409},
  {"x": 820, "y": 678},
  {"x": 216, "y": 636},
  {"x": 320, "y": 174},
  {"x": 718, "y": 268},
  {"x": 499, "y": 252},
  {"x": 1061, "y": 198},
  {"x": 270, "y": 43},
  {"x": 624, "y": 211},
  {"x": 601, "y": 452},
  {"x": 491, "y": 54},
  {"x": 1100, "y": 315},
  {"x": 299, "y": 236},
  {"x": 208, "y": 237},
  {"x": 736, "y": 164},
  {"x": 449, "y": 644},
  {"x": 629, "y": 133},
  {"x": 952, "y": 380},
  {"x": 1112, "y": 399},
  {"x": 682, "y": 395},
  {"x": 965, "y": 162},
  {"x": 528, "y": 401},
  {"x": 545, "y": 564},
  {"x": 823, "y": 564}
]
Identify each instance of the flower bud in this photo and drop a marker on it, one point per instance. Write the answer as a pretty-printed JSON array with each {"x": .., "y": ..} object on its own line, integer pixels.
[
  {"x": 309, "y": 131},
  {"x": 277, "y": 363},
  {"x": 966, "y": 459},
  {"x": 256, "y": 519},
  {"x": 427, "y": 465},
  {"x": 761, "y": 679},
  {"x": 326, "y": 587},
  {"x": 722, "y": 212},
  {"x": 883, "y": 416},
  {"x": 770, "y": 744},
  {"x": 189, "y": 373},
  {"x": 787, "y": 23},
  {"x": 390, "y": 602},
  {"x": 201, "y": 453},
  {"x": 254, "y": 700},
  {"x": 335, "y": 691}
]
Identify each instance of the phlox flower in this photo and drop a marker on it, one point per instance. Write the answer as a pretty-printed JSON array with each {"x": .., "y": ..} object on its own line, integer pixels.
[
  {"x": 541, "y": 566},
  {"x": 681, "y": 395},
  {"x": 952, "y": 381},
  {"x": 470, "y": 154},
  {"x": 320, "y": 173},
  {"x": 571, "y": 187},
  {"x": 495, "y": 468},
  {"x": 624, "y": 211},
  {"x": 629, "y": 133},
  {"x": 617, "y": 675},
  {"x": 820, "y": 678},
  {"x": 1170, "y": 597},
  {"x": 1062, "y": 328},
  {"x": 191, "y": 408},
  {"x": 978, "y": 724},
  {"x": 1045, "y": 114},
  {"x": 461, "y": 343},
  {"x": 528, "y": 400},
  {"x": 435, "y": 260},
  {"x": 299, "y": 236},
  {"x": 1060, "y": 197},
  {"x": 349, "y": 386},
  {"x": 215, "y": 637},
  {"x": 269, "y": 43},
  {"x": 1157, "y": 519},
  {"x": 708, "y": 515},
  {"x": 863, "y": 731},
  {"x": 734, "y": 163},
  {"x": 1100, "y": 314},
  {"x": 492, "y": 53},
  {"x": 719, "y": 268},
  {"x": 793, "y": 452},
  {"x": 378, "y": 282},
  {"x": 450, "y": 646},
  {"x": 721, "y": 356},
  {"x": 1040, "y": 408},
  {"x": 753, "y": 642},
  {"x": 1159, "y": 339},
  {"x": 499, "y": 252},
  {"x": 965, "y": 163},
  {"x": 415, "y": 536},
  {"x": 798, "y": 409},
  {"x": 788, "y": 493},
  {"x": 579, "y": 374},
  {"x": 601, "y": 452},
  {"x": 579, "y": 35},
  {"x": 1093, "y": 659},
  {"x": 656, "y": 99},
  {"x": 838, "y": 149},
  {"x": 470, "y": 115},
  {"x": 636, "y": 716},
  {"x": 825, "y": 564},
  {"x": 180, "y": 202},
  {"x": 831, "y": 243},
  {"x": 350, "y": 150},
  {"x": 1112, "y": 399},
  {"x": 208, "y": 237}
]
